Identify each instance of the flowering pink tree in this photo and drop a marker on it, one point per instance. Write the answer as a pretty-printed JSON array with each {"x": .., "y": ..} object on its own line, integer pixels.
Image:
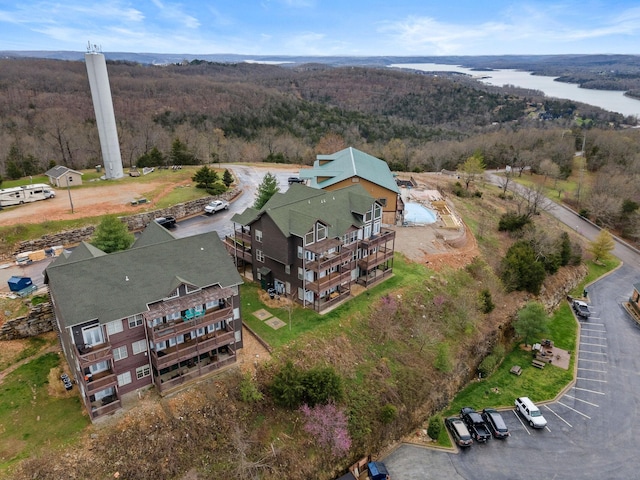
[{"x": 328, "y": 425}]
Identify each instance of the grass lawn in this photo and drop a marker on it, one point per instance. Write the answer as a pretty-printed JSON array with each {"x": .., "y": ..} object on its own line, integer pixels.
[
  {"x": 31, "y": 418},
  {"x": 304, "y": 320}
]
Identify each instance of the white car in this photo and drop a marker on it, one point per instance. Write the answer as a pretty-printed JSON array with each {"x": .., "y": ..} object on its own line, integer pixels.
[
  {"x": 216, "y": 205},
  {"x": 530, "y": 412}
]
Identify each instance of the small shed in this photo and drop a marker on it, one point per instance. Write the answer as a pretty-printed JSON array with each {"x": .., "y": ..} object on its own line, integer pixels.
[
  {"x": 19, "y": 283},
  {"x": 60, "y": 175}
]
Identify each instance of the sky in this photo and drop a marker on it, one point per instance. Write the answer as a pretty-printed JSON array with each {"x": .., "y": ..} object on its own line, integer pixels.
[{"x": 324, "y": 27}]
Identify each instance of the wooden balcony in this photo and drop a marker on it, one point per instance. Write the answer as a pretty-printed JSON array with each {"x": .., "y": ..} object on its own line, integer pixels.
[
  {"x": 104, "y": 406},
  {"x": 376, "y": 258},
  {"x": 329, "y": 281},
  {"x": 89, "y": 355},
  {"x": 189, "y": 349},
  {"x": 383, "y": 237},
  {"x": 238, "y": 250},
  {"x": 326, "y": 261},
  {"x": 179, "y": 376},
  {"x": 100, "y": 381},
  {"x": 165, "y": 331},
  {"x": 332, "y": 299}
]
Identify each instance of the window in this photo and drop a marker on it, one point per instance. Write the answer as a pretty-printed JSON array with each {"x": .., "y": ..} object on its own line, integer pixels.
[
  {"x": 259, "y": 256},
  {"x": 191, "y": 288},
  {"x": 287, "y": 269},
  {"x": 382, "y": 201},
  {"x": 135, "y": 320},
  {"x": 143, "y": 371},
  {"x": 300, "y": 273},
  {"x": 124, "y": 379},
  {"x": 258, "y": 235},
  {"x": 377, "y": 210},
  {"x": 300, "y": 252},
  {"x": 173, "y": 316},
  {"x": 368, "y": 216},
  {"x": 173, "y": 294},
  {"x": 98, "y": 367},
  {"x": 114, "y": 327},
  {"x": 308, "y": 238},
  {"x": 376, "y": 227},
  {"x": 120, "y": 353},
  {"x": 139, "y": 347},
  {"x": 92, "y": 335},
  {"x": 321, "y": 232}
]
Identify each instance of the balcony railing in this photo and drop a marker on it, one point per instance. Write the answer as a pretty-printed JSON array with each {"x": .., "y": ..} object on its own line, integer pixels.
[
  {"x": 375, "y": 259},
  {"x": 100, "y": 381},
  {"x": 238, "y": 250},
  {"x": 177, "y": 377},
  {"x": 332, "y": 299},
  {"x": 91, "y": 354},
  {"x": 383, "y": 237},
  {"x": 165, "y": 331},
  {"x": 329, "y": 281},
  {"x": 105, "y": 406},
  {"x": 187, "y": 350},
  {"x": 327, "y": 260}
]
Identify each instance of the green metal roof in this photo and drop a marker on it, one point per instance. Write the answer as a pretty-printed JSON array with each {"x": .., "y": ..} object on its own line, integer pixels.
[
  {"x": 348, "y": 163},
  {"x": 296, "y": 211},
  {"x": 115, "y": 286}
]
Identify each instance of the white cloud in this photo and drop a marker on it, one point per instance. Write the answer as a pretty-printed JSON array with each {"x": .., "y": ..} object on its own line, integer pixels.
[{"x": 174, "y": 12}]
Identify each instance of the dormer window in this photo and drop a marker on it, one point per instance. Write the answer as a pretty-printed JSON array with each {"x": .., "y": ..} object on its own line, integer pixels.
[
  {"x": 309, "y": 238},
  {"x": 174, "y": 294},
  {"x": 321, "y": 232}
]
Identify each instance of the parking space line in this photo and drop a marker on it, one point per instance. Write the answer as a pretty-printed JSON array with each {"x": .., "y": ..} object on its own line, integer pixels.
[
  {"x": 585, "y": 329},
  {"x": 591, "y": 352},
  {"x": 593, "y": 336},
  {"x": 521, "y": 422},
  {"x": 574, "y": 410},
  {"x": 593, "y": 345},
  {"x": 580, "y": 400},
  {"x": 589, "y": 360},
  {"x": 547, "y": 407},
  {"x": 592, "y": 370},
  {"x": 591, "y": 379},
  {"x": 587, "y": 390},
  {"x": 594, "y": 323}
]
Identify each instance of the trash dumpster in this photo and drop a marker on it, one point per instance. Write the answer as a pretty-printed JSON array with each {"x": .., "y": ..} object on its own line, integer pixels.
[{"x": 19, "y": 283}]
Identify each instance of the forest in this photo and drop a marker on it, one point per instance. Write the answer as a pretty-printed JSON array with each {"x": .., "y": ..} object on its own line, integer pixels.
[{"x": 202, "y": 112}]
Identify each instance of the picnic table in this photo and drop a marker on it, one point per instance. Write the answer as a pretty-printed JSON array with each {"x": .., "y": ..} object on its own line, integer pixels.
[{"x": 516, "y": 370}]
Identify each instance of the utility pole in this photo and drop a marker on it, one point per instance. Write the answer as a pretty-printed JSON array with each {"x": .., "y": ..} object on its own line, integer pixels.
[{"x": 69, "y": 179}]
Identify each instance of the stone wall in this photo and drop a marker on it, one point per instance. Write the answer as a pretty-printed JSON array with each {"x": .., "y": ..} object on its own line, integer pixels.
[
  {"x": 40, "y": 319},
  {"x": 134, "y": 222}
]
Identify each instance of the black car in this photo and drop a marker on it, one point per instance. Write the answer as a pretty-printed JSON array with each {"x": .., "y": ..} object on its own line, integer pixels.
[
  {"x": 474, "y": 422},
  {"x": 166, "y": 222},
  {"x": 295, "y": 180},
  {"x": 459, "y": 431},
  {"x": 495, "y": 422}
]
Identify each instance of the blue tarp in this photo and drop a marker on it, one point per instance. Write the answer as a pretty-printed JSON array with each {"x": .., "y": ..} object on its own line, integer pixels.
[{"x": 19, "y": 283}]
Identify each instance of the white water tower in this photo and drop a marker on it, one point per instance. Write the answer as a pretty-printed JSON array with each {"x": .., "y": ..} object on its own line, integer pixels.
[{"x": 105, "y": 117}]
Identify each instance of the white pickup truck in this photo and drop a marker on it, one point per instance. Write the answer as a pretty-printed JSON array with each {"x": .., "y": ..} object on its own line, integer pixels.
[{"x": 216, "y": 205}]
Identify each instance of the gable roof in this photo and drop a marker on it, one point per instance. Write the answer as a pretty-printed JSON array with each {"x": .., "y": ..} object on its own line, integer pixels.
[
  {"x": 348, "y": 163},
  {"x": 60, "y": 170},
  {"x": 152, "y": 234},
  {"x": 296, "y": 211},
  {"x": 121, "y": 284}
]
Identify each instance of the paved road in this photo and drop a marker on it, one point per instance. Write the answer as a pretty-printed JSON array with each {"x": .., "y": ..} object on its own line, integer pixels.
[{"x": 592, "y": 428}]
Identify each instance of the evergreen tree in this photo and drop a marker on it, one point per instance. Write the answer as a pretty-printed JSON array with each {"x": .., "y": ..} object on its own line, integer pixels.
[
  {"x": 227, "y": 178},
  {"x": 521, "y": 270},
  {"x": 267, "y": 189},
  {"x": 112, "y": 235},
  {"x": 205, "y": 177},
  {"x": 180, "y": 154},
  {"x": 565, "y": 249}
]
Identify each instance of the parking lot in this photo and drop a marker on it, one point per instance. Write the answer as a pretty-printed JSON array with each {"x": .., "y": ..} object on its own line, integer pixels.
[{"x": 591, "y": 429}]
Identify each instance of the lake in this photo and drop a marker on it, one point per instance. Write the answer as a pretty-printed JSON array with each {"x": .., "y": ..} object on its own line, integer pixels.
[{"x": 613, "y": 101}]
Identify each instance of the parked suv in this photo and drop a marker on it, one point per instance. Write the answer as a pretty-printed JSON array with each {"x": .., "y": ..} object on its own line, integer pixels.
[
  {"x": 495, "y": 422},
  {"x": 581, "y": 308},
  {"x": 530, "y": 412},
  {"x": 295, "y": 180},
  {"x": 459, "y": 431}
]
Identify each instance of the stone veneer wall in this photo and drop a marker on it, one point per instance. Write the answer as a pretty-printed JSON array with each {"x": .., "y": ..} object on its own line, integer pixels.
[
  {"x": 134, "y": 222},
  {"x": 40, "y": 319}
]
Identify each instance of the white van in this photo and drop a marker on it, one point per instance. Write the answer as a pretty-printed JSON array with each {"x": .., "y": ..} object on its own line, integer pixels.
[{"x": 530, "y": 412}]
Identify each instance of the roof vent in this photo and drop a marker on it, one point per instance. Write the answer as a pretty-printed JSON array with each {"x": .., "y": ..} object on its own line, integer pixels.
[{"x": 126, "y": 278}]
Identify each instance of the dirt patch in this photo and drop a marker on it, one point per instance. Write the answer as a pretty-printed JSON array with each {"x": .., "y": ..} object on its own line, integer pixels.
[{"x": 104, "y": 199}]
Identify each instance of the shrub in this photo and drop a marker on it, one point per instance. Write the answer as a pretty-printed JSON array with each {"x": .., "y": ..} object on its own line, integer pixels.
[
  {"x": 521, "y": 270},
  {"x": 511, "y": 222},
  {"x": 287, "y": 388},
  {"x": 486, "y": 301},
  {"x": 388, "y": 413},
  {"x": 321, "y": 385},
  {"x": 434, "y": 428},
  {"x": 249, "y": 392},
  {"x": 217, "y": 188}
]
